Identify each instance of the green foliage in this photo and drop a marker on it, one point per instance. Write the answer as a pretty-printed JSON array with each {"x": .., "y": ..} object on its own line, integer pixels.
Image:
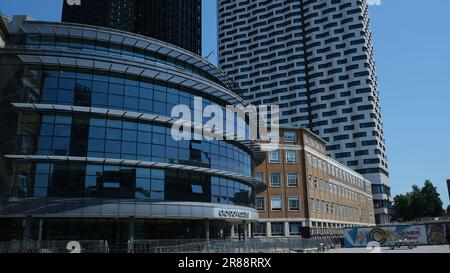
[
  {"x": 421, "y": 202},
  {"x": 401, "y": 205}
]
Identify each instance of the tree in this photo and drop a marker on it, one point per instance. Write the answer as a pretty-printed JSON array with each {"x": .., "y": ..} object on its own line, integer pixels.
[
  {"x": 432, "y": 203},
  {"x": 401, "y": 205},
  {"x": 448, "y": 210},
  {"x": 415, "y": 209},
  {"x": 420, "y": 202}
]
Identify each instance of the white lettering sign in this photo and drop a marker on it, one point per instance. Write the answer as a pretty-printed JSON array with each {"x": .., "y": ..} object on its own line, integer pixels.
[{"x": 231, "y": 214}]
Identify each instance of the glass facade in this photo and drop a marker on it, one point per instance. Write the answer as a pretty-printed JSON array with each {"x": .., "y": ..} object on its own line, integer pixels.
[
  {"x": 97, "y": 141},
  {"x": 88, "y": 135},
  {"x": 81, "y": 180},
  {"x": 110, "y": 49},
  {"x": 112, "y": 91},
  {"x": 173, "y": 21},
  {"x": 116, "y": 230}
]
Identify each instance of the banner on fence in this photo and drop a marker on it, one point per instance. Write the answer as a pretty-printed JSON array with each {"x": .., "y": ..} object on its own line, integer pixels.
[
  {"x": 361, "y": 237},
  {"x": 423, "y": 234}
]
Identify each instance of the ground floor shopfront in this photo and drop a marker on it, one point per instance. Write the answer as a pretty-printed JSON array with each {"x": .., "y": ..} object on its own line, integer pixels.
[
  {"x": 119, "y": 222},
  {"x": 117, "y": 230}
]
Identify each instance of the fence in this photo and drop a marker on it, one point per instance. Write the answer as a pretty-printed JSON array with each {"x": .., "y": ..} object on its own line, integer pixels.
[
  {"x": 260, "y": 245},
  {"x": 257, "y": 245},
  {"x": 53, "y": 247}
]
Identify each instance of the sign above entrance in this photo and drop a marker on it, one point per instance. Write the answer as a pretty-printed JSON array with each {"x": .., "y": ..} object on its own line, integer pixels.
[{"x": 232, "y": 214}]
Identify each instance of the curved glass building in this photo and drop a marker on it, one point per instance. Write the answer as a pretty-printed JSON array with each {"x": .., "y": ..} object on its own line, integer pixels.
[{"x": 86, "y": 145}]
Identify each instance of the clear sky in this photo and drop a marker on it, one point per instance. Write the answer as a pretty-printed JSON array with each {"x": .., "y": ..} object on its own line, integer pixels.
[{"x": 412, "y": 50}]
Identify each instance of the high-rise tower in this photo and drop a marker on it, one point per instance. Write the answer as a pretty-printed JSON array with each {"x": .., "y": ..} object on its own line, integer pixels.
[
  {"x": 174, "y": 21},
  {"x": 315, "y": 60}
]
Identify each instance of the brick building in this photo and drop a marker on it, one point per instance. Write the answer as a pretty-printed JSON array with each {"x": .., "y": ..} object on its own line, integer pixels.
[{"x": 308, "y": 192}]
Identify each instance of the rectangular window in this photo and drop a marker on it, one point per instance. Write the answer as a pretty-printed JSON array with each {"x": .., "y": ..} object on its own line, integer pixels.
[
  {"x": 290, "y": 137},
  {"x": 306, "y": 140},
  {"x": 260, "y": 203},
  {"x": 320, "y": 164},
  {"x": 274, "y": 157},
  {"x": 277, "y": 229},
  {"x": 292, "y": 180},
  {"x": 259, "y": 229},
  {"x": 295, "y": 228},
  {"x": 294, "y": 203},
  {"x": 259, "y": 177},
  {"x": 276, "y": 204},
  {"x": 310, "y": 181},
  {"x": 315, "y": 162},
  {"x": 275, "y": 180},
  {"x": 291, "y": 157},
  {"x": 309, "y": 160}
]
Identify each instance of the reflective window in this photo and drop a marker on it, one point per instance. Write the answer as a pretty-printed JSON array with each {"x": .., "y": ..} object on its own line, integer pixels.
[
  {"x": 103, "y": 91},
  {"x": 78, "y": 180},
  {"x": 277, "y": 228},
  {"x": 260, "y": 203},
  {"x": 275, "y": 179},
  {"x": 292, "y": 180},
  {"x": 295, "y": 228},
  {"x": 291, "y": 157},
  {"x": 276, "y": 203},
  {"x": 100, "y": 137},
  {"x": 294, "y": 203},
  {"x": 274, "y": 157},
  {"x": 260, "y": 177},
  {"x": 290, "y": 136}
]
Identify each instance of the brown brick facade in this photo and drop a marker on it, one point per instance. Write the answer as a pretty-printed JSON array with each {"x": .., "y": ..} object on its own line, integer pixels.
[{"x": 331, "y": 196}]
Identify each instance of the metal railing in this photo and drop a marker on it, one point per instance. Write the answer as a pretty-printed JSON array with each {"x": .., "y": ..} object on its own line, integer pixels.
[
  {"x": 257, "y": 245},
  {"x": 53, "y": 247}
]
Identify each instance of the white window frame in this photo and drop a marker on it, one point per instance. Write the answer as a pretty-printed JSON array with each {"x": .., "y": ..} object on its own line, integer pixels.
[
  {"x": 264, "y": 203},
  {"x": 271, "y": 160},
  {"x": 290, "y": 175},
  {"x": 291, "y": 152},
  {"x": 290, "y": 137},
  {"x": 271, "y": 181},
  {"x": 281, "y": 203},
  {"x": 262, "y": 177},
  {"x": 297, "y": 198}
]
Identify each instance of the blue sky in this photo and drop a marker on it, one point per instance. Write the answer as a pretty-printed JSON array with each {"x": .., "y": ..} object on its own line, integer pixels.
[{"x": 412, "y": 50}]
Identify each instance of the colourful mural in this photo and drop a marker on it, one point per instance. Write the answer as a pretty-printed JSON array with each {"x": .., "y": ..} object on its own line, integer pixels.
[{"x": 430, "y": 234}]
